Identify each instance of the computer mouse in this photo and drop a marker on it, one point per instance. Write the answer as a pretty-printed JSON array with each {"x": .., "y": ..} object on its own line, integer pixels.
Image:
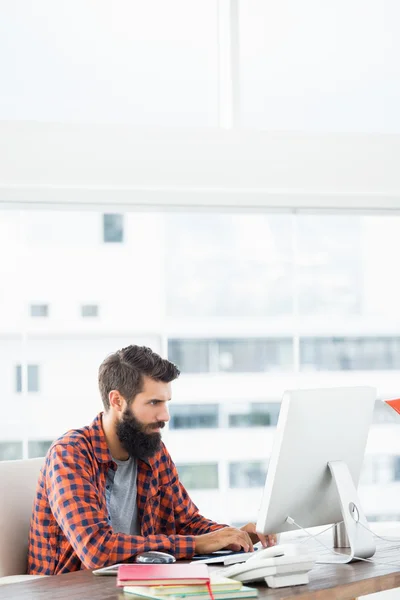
[{"x": 154, "y": 556}]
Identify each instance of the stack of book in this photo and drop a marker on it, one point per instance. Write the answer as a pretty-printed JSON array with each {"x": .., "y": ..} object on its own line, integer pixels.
[{"x": 181, "y": 582}]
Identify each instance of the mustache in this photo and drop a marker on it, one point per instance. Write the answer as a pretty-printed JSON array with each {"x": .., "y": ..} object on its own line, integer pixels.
[{"x": 158, "y": 425}]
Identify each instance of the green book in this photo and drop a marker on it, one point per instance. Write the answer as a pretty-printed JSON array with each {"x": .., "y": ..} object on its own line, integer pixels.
[
  {"x": 165, "y": 593},
  {"x": 218, "y": 584}
]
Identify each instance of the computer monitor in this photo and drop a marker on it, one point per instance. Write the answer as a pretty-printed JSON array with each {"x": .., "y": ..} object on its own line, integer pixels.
[{"x": 315, "y": 464}]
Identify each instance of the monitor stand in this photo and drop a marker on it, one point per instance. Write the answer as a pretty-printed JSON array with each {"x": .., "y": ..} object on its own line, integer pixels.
[{"x": 361, "y": 541}]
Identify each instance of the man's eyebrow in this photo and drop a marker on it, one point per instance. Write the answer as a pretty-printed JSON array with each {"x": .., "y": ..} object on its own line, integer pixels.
[{"x": 159, "y": 400}]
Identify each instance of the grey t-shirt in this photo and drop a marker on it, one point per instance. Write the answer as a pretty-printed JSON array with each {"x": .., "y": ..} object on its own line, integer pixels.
[{"x": 121, "y": 496}]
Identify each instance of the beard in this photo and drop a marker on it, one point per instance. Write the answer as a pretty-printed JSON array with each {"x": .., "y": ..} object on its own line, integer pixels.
[{"x": 138, "y": 439}]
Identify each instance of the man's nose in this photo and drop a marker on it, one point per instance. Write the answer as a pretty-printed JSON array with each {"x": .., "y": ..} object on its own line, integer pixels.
[{"x": 163, "y": 415}]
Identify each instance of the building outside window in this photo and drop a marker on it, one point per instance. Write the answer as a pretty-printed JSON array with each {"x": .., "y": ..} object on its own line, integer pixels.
[
  {"x": 247, "y": 355},
  {"x": 379, "y": 469},
  {"x": 199, "y": 476},
  {"x": 191, "y": 356},
  {"x": 89, "y": 310},
  {"x": 10, "y": 450},
  {"x": 350, "y": 353},
  {"x": 39, "y": 310},
  {"x": 247, "y": 474},
  {"x": 32, "y": 378},
  {"x": 193, "y": 416},
  {"x": 113, "y": 228},
  {"x": 253, "y": 414},
  {"x": 38, "y": 448},
  {"x": 254, "y": 355}
]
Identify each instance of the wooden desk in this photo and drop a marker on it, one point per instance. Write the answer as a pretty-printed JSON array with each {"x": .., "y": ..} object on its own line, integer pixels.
[{"x": 327, "y": 582}]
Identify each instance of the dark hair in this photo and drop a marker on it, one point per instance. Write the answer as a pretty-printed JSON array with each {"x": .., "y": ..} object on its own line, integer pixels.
[{"x": 124, "y": 371}]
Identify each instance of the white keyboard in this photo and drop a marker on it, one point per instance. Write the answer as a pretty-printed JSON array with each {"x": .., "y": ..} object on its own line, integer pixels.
[{"x": 226, "y": 559}]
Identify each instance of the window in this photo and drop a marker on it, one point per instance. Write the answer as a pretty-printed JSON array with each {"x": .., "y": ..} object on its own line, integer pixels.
[
  {"x": 279, "y": 64},
  {"x": 32, "y": 378},
  {"x": 350, "y": 353},
  {"x": 199, "y": 476},
  {"x": 191, "y": 356},
  {"x": 10, "y": 450},
  {"x": 113, "y": 228},
  {"x": 247, "y": 474},
  {"x": 378, "y": 469},
  {"x": 228, "y": 265},
  {"x": 253, "y": 355},
  {"x": 257, "y": 414},
  {"x": 89, "y": 310},
  {"x": 396, "y": 468},
  {"x": 247, "y": 355},
  {"x": 193, "y": 416},
  {"x": 382, "y": 517},
  {"x": 38, "y": 448},
  {"x": 39, "y": 310},
  {"x": 164, "y": 71}
]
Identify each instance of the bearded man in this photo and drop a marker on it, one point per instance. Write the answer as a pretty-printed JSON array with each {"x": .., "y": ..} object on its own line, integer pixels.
[{"x": 110, "y": 491}]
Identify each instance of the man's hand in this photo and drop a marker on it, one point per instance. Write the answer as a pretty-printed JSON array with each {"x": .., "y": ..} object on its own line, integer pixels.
[
  {"x": 266, "y": 540},
  {"x": 226, "y": 538}
]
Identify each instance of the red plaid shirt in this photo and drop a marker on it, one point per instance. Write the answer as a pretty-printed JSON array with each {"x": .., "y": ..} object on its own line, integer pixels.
[{"x": 70, "y": 529}]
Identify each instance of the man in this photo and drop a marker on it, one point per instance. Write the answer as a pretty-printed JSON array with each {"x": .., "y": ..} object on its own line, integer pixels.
[{"x": 110, "y": 490}]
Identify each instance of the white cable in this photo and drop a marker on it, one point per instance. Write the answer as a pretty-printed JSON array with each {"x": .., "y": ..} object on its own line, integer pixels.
[
  {"x": 320, "y": 533},
  {"x": 375, "y": 562}
]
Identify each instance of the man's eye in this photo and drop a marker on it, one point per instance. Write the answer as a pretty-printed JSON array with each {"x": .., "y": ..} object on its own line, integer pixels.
[{"x": 155, "y": 402}]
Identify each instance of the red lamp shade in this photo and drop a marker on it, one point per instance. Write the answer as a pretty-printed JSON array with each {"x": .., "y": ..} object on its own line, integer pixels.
[{"x": 395, "y": 404}]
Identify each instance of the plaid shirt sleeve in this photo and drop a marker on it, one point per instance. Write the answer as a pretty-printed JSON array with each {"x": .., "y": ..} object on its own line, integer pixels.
[{"x": 75, "y": 504}]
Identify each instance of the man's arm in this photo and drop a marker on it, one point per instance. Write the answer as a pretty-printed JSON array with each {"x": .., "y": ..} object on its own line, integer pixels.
[{"x": 75, "y": 504}]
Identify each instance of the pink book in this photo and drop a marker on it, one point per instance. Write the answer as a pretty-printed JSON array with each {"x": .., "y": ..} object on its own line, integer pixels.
[{"x": 159, "y": 574}]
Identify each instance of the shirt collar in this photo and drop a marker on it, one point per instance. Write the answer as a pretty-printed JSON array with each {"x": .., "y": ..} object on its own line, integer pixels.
[{"x": 98, "y": 439}]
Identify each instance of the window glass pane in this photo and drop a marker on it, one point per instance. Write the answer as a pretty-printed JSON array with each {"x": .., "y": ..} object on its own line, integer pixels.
[
  {"x": 199, "y": 476},
  {"x": 253, "y": 355},
  {"x": 247, "y": 474},
  {"x": 234, "y": 366},
  {"x": 382, "y": 517},
  {"x": 344, "y": 354},
  {"x": 232, "y": 265},
  {"x": 39, "y": 310},
  {"x": 193, "y": 416},
  {"x": 146, "y": 64},
  {"x": 90, "y": 310},
  {"x": 10, "y": 450},
  {"x": 113, "y": 228},
  {"x": 18, "y": 378},
  {"x": 232, "y": 355},
  {"x": 32, "y": 378},
  {"x": 330, "y": 252},
  {"x": 191, "y": 356},
  {"x": 396, "y": 468},
  {"x": 38, "y": 448},
  {"x": 263, "y": 414},
  {"x": 378, "y": 469},
  {"x": 301, "y": 69}
]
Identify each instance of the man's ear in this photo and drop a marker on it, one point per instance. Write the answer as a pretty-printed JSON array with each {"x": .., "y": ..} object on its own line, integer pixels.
[{"x": 116, "y": 400}]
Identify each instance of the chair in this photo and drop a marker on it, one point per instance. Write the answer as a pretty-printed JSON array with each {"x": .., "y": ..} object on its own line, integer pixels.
[{"x": 18, "y": 480}]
